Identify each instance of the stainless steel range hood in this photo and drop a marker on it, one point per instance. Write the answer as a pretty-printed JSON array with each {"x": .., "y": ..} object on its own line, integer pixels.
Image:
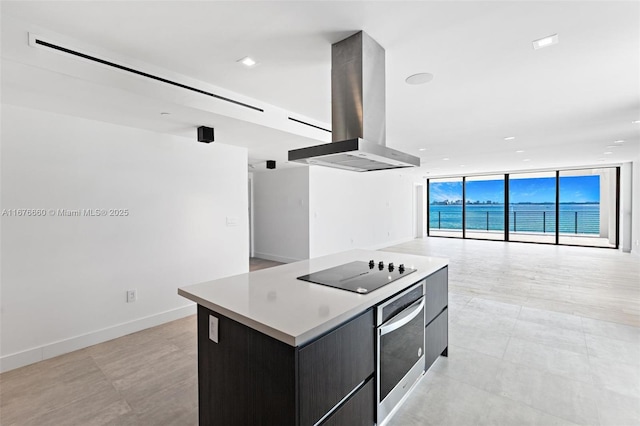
[{"x": 357, "y": 112}]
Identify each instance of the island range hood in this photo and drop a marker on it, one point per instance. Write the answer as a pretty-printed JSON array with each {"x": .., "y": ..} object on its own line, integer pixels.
[{"x": 357, "y": 112}]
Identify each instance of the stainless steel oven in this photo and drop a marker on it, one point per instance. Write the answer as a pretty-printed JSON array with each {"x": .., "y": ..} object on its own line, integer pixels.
[{"x": 400, "y": 345}]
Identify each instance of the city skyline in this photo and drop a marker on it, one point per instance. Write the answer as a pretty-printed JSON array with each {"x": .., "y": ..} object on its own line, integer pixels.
[{"x": 573, "y": 189}]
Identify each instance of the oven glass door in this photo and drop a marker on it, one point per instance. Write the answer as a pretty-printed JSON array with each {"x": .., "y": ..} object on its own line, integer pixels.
[{"x": 401, "y": 347}]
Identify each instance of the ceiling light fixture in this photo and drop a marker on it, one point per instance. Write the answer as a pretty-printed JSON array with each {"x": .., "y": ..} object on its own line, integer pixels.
[
  {"x": 607, "y": 152},
  {"x": 618, "y": 141},
  {"x": 247, "y": 62},
  {"x": 445, "y": 159},
  {"x": 612, "y": 146},
  {"x": 545, "y": 41},
  {"x": 420, "y": 78},
  {"x": 509, "y": 138},
  {"x": 636, "y": 122},
  {"x": 519, "y": 151},
  {"x": 422, "y": 149}
]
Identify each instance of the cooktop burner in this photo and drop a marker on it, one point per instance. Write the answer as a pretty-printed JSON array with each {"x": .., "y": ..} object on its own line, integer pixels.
[{"x": 359, "y": 277}]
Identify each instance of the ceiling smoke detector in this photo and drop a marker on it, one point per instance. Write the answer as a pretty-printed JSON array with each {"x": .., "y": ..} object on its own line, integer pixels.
[{"x": 420, "y": 78}]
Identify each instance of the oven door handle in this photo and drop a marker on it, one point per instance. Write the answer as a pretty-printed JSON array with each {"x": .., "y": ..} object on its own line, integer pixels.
[{"x": 403, "y": 318}]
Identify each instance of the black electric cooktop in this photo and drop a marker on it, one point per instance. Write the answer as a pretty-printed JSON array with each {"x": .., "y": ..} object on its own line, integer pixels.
[{"x": 359, "y": 277}]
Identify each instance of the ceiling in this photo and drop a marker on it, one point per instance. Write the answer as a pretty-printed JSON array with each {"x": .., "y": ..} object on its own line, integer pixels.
[{"x": 564, "y": 104}]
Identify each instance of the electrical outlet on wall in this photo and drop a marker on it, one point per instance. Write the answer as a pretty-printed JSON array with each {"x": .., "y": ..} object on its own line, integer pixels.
[
  {"x": 213, "y": 328},
  {"x": 132, "y": 295}
]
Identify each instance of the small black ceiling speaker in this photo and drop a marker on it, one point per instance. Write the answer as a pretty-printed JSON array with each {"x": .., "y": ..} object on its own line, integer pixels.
[
  {"x": 271, "y": 164},
  {"x": 205, "y": 134}
]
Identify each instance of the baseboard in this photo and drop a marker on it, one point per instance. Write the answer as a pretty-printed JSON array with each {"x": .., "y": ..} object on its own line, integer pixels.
[
  {"x": 275, "y": 258},
  {"x": 51, "y": 350}
]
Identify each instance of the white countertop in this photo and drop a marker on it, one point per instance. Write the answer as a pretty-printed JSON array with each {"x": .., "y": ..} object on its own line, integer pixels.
[{"x": 295, "y": 312}]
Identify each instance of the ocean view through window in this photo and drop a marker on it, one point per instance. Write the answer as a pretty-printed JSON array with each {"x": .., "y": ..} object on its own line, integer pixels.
[
  {"x": 484, "y": 208},
  {"x": 584, "y": 215}
]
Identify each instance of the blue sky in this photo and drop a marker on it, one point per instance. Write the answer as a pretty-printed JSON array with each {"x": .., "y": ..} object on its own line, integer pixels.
[
  {"x": 442, "y": 191},
  {"x": 579, "y": 189},
  {"x": 485, "y": 190},
  {"x": 573, "y": 189},
  {"x": 534, "y": 190}
]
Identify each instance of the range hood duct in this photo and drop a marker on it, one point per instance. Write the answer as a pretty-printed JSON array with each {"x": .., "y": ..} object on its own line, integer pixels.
[{"x": 357, "y": 112}]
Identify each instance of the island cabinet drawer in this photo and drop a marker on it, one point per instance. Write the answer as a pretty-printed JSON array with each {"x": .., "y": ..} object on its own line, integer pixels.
[
  {"x": 436, "y": 294},
  {"x": 358, "y": 410},
  {"x": 331, "y": 367},
  {"x": 436, "y": 338}
]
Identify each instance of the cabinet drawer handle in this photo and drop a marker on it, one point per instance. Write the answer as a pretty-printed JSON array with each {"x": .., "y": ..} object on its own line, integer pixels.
[{"x": 405, "y": 317}]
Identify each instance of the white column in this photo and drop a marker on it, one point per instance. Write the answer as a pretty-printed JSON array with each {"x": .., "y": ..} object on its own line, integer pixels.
[{"x": 625, "y": 206}]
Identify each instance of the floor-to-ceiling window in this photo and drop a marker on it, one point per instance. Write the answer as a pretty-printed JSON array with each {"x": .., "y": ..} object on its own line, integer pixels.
[
  {"x": 532, "y": 207},
  {"x": 588, "y": 208},
  {"x": 445, "y": 207},
  {"x": 484, "y": 207},
  {"x": 572, "y": 207}
]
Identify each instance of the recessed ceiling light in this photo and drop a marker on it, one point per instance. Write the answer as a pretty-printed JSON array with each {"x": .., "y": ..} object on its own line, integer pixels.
[
  {"x": 545, "y": 41},
  {"x": 509, "y": 138},
  {"x": 618, "y": 141},
  {"x": 420, "y": 78},
  {"x": 422, "y": 149},
  {"x": 607, "y": 152},
  {"x": 247, "y": 62},
  {"x": 636, "y": 122},
  {"x": 520, "y": 151},
  {"x": 612, "y": 146},
  {"x": 445, "y": 159}
]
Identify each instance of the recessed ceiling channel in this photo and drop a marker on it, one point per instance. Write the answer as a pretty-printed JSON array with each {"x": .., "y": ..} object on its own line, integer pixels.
[
  {"x": 37, "y": 41},
  {"x": 309, "y": 124}
]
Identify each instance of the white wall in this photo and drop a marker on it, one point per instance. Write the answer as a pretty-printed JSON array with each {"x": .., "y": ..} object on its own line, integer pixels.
[
  {"x": 64, "y": 279},
  {"x": 635, "y": 210},
  {"x": 281, "y": 214},
  {"x": 359, "y": 210}
]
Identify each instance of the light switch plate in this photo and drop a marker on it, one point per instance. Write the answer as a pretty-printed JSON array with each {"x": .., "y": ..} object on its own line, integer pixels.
[{"x": 213, "y": 328}]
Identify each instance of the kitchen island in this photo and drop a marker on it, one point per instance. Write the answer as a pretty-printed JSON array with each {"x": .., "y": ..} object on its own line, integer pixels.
[{"x": 276, "y": 350}]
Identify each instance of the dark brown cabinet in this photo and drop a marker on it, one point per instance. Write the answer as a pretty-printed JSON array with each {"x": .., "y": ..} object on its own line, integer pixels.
[
  {"x": 356, "y": 411},
  {"x": 248, "y": 378},
  {"x": 436, "y": 337},
  {"x": 436, "y": 294},
  {"x": 334, "y": 365}
]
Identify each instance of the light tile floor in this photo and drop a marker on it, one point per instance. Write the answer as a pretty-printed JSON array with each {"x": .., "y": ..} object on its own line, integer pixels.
[{"x": 539, "y": 335}]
